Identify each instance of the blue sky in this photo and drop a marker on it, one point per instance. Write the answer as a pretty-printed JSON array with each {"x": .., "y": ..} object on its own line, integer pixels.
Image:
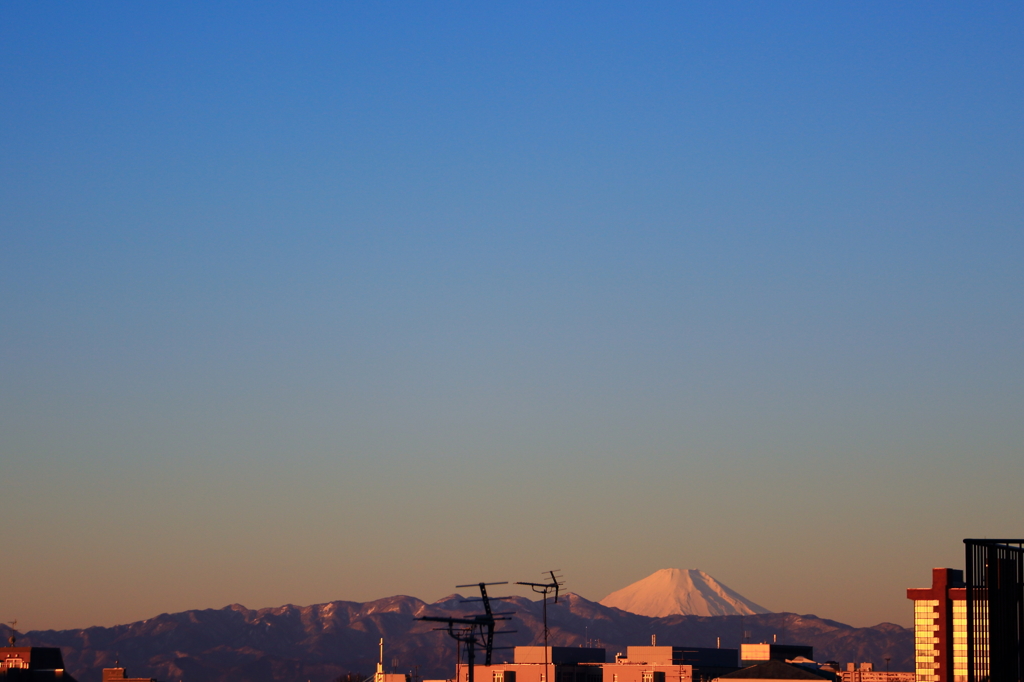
[{"x": 298, "y": 299}]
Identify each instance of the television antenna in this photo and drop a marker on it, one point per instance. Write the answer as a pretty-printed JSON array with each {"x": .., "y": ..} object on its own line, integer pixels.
[
  {"x": 14, "y": 632},
  {"x": 478, "y": 630},
  {"x": 556, "y": 584}
]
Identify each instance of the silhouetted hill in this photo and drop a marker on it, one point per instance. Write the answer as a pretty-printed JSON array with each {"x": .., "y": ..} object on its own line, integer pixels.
[{"x": 324, "y": 641}]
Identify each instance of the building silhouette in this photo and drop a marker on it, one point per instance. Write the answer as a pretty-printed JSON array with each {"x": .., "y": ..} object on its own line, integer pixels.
[
  {"x": 971, "y": 628},
  {"x": 994, "y": 610},
  {"x": 121, "y": 675},
  {"x": 32, "y": 664}
]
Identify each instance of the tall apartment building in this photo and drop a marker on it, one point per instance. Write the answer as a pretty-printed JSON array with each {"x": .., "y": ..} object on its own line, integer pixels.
[
  {"x": 994, "y": 609},
  {"x": 940, "y": 627},
  {"x": 972, "y": 630}
]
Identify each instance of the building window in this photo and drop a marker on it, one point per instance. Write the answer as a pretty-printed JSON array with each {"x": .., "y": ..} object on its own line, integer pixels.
[{"x": 925, "y": 630}]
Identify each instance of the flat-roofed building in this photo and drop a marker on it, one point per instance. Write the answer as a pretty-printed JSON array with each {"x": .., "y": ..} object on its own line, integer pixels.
[
  {"x": 705, "y": 663},
  {"x": 121, "y": 675},
  {"x": 752, "y": 654},
  {"x": 585, "y": 664},
  {"x": 682, "y": 655},
  {"x": 650, "y": 672},
  {"x": 562, "y": 655},
  {"x": 563, "y": 664},
  {"x": 32, "y": 664},
  {"x": 865, "y": 672}
]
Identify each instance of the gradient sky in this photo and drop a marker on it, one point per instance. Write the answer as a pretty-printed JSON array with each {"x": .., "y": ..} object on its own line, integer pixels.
[{"x": 342, "y": 301}]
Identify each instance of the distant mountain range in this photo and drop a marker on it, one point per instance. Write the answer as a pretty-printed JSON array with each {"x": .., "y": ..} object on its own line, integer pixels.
[
  {"x": 324, "y": 641},
  {"x": 671, "y": 592}
]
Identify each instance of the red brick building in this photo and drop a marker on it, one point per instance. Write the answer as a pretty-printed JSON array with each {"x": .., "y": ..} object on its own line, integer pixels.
[{"x": 940, "y": 627}]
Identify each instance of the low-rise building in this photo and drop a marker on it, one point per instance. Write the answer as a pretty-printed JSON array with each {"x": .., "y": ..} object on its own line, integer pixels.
[
  {"x": 779, "y": 671},
  {"x": 752, "y": 654},
  {"x": 865, "y": 672},
  {"x": 32, "y": 664},
  {"x": 542, "y": 664},
  {"x": 586, "y": 664},
  {"x": 121, "y": 675},
  {"x": 704, "y": 663}
]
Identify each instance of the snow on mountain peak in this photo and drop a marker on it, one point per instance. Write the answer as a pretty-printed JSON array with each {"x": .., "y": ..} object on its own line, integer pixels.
[{"x": 690, "y": 592}]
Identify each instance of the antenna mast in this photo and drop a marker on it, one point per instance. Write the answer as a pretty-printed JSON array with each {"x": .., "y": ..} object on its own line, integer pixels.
[
  {"x": 557, "y": 582},
  {"x": 14, "y": 632},
  {"x": 478, "y": 630}
]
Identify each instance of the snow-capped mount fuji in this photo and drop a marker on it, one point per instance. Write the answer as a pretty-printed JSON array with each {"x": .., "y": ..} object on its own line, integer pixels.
[{"x": 690, "y": 592}]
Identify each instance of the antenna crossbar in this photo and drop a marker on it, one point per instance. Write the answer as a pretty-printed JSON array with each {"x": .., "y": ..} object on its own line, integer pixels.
[
  {"x": 544, "y": 589},
  {"x": 479, "y": 630},
  {"x": 480, "y": 599}
]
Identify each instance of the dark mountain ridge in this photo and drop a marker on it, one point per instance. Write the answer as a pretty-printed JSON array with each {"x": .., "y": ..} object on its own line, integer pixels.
[{"x": 324, "y": 641}]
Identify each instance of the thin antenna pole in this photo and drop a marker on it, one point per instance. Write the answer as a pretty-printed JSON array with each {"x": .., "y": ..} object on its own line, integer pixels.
[
  {"x": 547, "y": 651},
  {"x": 545, "y": 589}
]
